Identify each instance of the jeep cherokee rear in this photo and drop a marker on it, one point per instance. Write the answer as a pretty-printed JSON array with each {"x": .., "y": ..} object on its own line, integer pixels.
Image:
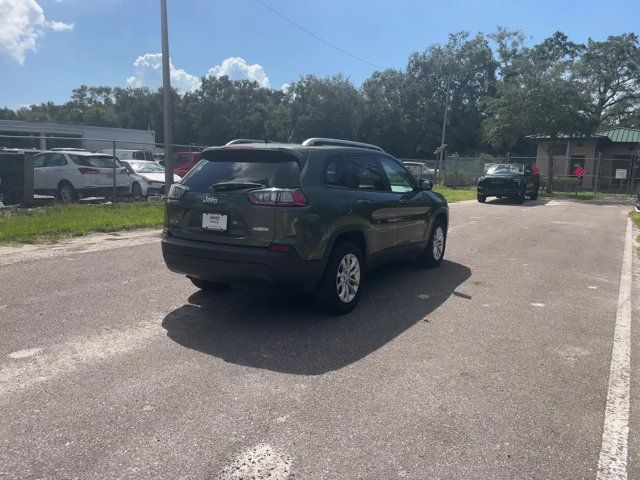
[{"x": 310, "y": 217}]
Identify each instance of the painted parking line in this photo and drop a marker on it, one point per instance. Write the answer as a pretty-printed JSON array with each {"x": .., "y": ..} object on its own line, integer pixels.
[{"x": 612, "y": 463}]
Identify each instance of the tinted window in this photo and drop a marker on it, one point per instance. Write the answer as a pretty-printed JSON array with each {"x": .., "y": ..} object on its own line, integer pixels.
[
  {"x": 38, "y": 161},
  {"x": 354, "y": 171},
  {"x": 97, "y": 161},
  {"x": 270, "y": 171},
  {"x": 55, "y": 160},
  {"x": 400, "y": 180},
  {"x": 142, "y": 155}
]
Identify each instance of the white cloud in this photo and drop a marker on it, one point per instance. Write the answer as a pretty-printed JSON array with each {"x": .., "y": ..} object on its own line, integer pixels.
[
  {"x": 148, "y": 73},
  {"x": 60, "y": 26},
  {"x": 22, "y": 22},
  {"x": 236, "y": 68}
]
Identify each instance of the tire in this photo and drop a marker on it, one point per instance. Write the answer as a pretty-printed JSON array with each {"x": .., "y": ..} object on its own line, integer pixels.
[
  {"x": 434, "y": 253},
  {"x": 66, "y": 193},
  {"x": 343, "y": 274},
  {"x": 534, "y": 194},
  {"x": 209, "y": 286},
  {"x": 136, "y": 192},
  {"x": 482, "y": 198}
]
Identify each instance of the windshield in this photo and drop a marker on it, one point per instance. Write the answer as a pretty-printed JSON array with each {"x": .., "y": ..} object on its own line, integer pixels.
[
  {"x": 146, "y": 167},
  {"x": 98, "y": 161},
  {"x": 506, "y": 169}
]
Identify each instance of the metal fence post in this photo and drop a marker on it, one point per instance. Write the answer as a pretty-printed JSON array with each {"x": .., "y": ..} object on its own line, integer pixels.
[
  {"x": 27, "y": 186},
  {"x": 598, "y": 172},
  {"x": 113, "y": 199},
  {"x": 630, "y": 182},
  {"x": 455, "y": 173}
]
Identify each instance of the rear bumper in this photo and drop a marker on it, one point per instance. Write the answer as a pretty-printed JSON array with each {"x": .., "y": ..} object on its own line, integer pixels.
[{"x": 241, "y": 266}]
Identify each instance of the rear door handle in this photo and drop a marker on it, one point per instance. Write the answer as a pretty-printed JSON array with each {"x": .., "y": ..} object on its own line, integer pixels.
[{"x": 364, "y": 202}]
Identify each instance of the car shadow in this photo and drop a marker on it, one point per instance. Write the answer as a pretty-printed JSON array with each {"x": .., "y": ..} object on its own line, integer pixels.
[
  {"x": 527, "y": 203},
  {"x": 286, "y": 333}
]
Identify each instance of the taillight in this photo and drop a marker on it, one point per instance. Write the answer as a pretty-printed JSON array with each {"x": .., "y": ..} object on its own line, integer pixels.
[
  {"x": 88, "y": 171},
  {"x": 177, "y": 191},
  {"x": 278, "y": 197}
]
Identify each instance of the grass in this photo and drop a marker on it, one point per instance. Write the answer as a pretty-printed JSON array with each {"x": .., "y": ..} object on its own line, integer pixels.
[
  {"x": 456, "y": 194},
  {"x": 635, "y": 216},
  {"x": 51, "y": 224}
]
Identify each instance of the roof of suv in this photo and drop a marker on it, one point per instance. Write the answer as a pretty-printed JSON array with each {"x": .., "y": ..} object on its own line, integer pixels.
[
  {"x": 301, "y": 148},
  {"x": 80, "y": 153}
]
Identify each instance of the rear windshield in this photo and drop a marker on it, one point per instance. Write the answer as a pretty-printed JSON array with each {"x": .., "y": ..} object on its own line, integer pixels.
[
  {"x": 97, "y": 161},
  {"x": 237, "y": 171}
]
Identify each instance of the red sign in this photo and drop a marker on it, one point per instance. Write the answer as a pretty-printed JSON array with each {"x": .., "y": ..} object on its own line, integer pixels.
[
  {"x": 579, "y": 172},
  {"x": 535, "y": 170}
]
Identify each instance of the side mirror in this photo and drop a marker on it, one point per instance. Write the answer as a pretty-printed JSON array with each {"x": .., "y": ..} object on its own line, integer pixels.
[{"x": 426, "y": 185}]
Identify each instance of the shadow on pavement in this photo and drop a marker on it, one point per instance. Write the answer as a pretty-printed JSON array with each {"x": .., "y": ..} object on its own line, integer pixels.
[
  {"x": 508, "y": 201},
  {"x": 285, "y": 333}
]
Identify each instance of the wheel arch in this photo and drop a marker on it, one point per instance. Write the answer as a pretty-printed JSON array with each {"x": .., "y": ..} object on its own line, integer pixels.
[{"x": 352, "y": 234}]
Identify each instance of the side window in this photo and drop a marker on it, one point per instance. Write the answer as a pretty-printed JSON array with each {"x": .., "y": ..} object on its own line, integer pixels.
[
  {"x": 358, "y": 172},
  {"x": 400, "y": 180},
  {"x": 38, "y": 160},
  {"x": 56, "y": 160}
]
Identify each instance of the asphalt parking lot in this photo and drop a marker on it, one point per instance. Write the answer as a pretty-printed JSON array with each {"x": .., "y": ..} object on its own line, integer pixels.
[{"x": 495, "y": 365}]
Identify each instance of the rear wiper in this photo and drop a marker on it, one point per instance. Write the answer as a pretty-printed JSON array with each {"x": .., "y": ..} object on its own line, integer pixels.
[{"x": 234, "y": 185}]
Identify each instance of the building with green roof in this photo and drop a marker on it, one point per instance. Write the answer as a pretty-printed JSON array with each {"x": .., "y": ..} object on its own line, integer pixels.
[{"x": 609, "y": 158}]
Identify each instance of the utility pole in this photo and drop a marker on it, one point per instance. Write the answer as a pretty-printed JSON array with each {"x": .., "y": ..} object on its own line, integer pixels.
[
  {"x": 444, "y": 124},
  {"x": 166, "y": 94}
]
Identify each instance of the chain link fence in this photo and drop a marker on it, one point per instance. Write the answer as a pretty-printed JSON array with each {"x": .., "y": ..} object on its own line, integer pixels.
[
  {"x": 23, "y": 181},
  {"x": 569, "y": 174},
  {"x": 37, "y": 170}
]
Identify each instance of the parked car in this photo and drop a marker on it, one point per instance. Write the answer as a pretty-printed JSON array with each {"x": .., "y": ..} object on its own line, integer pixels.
[
  {"x": 314, "y": 217},
  {"x": 512, "y": 180},
  {"x": 183, "y": 162},
  {"x": 636, "y": 204},
  {"x": 420, "y": 171},
  {"x": 145, "y": 178},
  {"x": 70, "y": 175},
  {"x": 126, "y": 154}
]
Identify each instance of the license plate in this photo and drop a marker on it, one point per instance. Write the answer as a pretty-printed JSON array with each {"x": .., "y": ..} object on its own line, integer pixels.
[{"x": 214, "y": 221}]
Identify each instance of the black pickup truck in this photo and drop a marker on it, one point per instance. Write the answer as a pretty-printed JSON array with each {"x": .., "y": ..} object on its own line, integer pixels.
[{"x": 511, "y": 180}]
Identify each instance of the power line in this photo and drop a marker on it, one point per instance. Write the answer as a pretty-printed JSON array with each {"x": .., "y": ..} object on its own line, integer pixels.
[{"x": 308, "y": 32}]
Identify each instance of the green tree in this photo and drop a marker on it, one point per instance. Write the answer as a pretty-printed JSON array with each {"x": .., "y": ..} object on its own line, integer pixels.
[
  {"x": 536, "y": 96},
  {"x": 609, "y": 73}
]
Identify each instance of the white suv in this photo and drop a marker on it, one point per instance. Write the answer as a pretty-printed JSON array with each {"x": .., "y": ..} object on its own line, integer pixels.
[{"x": 70, "y": 175}]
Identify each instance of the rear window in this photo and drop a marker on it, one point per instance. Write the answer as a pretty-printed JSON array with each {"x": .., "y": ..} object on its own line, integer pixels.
[
  {"x": 97, "y": 161},
  {"x": 142, "y": 155},
  {"x": 257, "y": 169}
]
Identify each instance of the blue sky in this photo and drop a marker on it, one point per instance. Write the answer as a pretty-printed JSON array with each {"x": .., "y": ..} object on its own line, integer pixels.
[{"x": 109, "y": 35}]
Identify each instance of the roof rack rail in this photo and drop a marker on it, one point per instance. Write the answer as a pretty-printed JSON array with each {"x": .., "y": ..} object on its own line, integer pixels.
[
  {"x": 239, "y": 141},
  {"x": 70, "y": 149},
  {"x": 316, "y": 142}
]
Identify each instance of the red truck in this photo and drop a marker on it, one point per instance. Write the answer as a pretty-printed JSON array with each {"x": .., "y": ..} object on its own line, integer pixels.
[{"x": 183, "y": 162}]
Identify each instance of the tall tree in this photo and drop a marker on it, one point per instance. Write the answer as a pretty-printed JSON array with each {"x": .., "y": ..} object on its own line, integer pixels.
[
  {"x": 609, "y": 73},
  {"x": 538, "y": 97}
]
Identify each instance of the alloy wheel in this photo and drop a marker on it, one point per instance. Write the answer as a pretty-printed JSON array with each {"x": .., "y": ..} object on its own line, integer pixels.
[{"x": 348, "y": 278}]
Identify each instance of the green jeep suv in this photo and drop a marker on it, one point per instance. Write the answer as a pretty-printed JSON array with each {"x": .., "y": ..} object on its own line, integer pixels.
[{"x": 313, "y": 217}]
